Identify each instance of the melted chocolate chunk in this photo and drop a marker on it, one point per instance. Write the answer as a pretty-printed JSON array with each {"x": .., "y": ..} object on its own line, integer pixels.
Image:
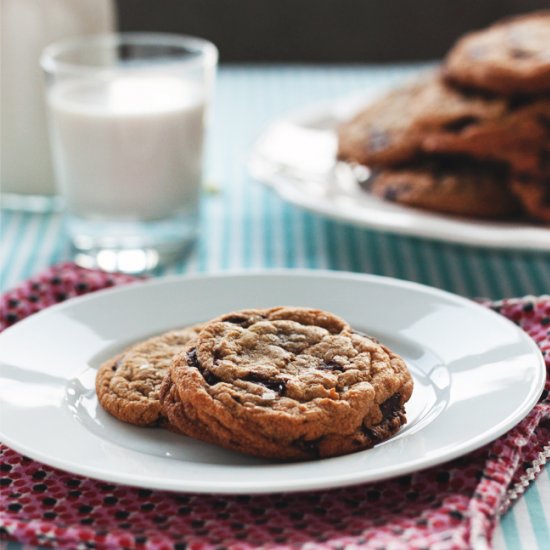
[
  {"x": 278, "y": 386},
  {"x": 310, "y": 447},
  {"x": 519, "y": 53},
  {"x": 331, "y": 365},
  {"x": 392, "y": 193},
  {"x": 236, "y": 319},
  {"x": 391, "y": 406},
  {"x": 209, "y": 377},
  {"x": 370, "y": 434},
  {"x": 192, "y": 359},
  {"x": 461, "y": 123}
]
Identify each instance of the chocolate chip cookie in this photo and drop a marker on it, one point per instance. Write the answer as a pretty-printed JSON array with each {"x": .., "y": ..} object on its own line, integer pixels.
[
  {"x": 128, "y": 385},
  {"x": 393, "y": 129},
  {"x": 286, "y": 383},
  {"x": 451, "y": 186},
  {"x": 516, "y": 137},
  {"x": 510, "y": 57}
]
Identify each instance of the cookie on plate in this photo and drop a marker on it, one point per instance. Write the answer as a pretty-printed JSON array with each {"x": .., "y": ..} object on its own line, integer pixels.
[
  {"x": 515, "y": 138},
  {"x": 451, "y": 186},
  {"x": 392, "y": 130},
  {"x": 128, "y": 385},
  {"x": 510, "y": 57},
  {"x": 534, "y": 194},
  {"x": 287, "y": 383}
]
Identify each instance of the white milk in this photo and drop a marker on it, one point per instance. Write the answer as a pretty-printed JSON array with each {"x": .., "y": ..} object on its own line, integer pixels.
[
  {"x": 26, "y": 27},
  {"x": 129, "y": 148}
]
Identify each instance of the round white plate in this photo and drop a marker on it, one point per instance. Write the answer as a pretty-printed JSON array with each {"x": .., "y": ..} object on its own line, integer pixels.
[
  {"x": 296, "y": 156},
  {"x": 476, "y": 375}
]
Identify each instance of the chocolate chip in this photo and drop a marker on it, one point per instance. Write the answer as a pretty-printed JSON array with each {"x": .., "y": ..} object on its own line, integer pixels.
[
  {"x": 210, "y": 378},
  {"x": 370, "y": 434},
  {"x": 235, "y": 319},
  {"x": 278, "y": 386},
  {"x": 331, "y": 365},
  {"x": 461, "y": 123},
  {"x": 518, "y": 53},
  {"x": 192, "y": 360},
  {"x": 310, "y": 447},
  {"x": 392, "y": 192},
  {"x": 391, "y": 406}
]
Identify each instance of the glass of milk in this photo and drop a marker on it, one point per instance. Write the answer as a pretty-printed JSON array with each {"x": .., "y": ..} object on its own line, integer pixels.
[{"x": 127, "y": 117}]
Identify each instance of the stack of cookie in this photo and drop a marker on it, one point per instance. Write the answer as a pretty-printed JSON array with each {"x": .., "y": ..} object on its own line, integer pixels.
[
  {"x": 472, "y": 139},
  {"x": 286, "y": 383}
]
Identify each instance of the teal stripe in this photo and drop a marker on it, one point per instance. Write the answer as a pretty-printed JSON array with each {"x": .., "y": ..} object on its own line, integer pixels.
[
  {"x": 328, "y": 229},
  {"x": 510, "y": 531},
  {"x": 14, "y": 248},
  {"x": 373, "y": 250},
  {"x": 540, "y": 281},
  {"x": 289, "y": 238},
  {"x": 534, "y": 506},
  {"x": 308, "y": 236},
  {"x": 28, "y": 268}
]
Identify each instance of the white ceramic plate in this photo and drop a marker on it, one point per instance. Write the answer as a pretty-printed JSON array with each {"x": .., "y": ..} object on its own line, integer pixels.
[
  {"x": 296, "y": 156},
  {"x": 476, "y": 375}
]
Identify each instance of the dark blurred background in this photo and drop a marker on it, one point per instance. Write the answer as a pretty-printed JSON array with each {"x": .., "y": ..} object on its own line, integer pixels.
[{"x": 321, "y": 30}]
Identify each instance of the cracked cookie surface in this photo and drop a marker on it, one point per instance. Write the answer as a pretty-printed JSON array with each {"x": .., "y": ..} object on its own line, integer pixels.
[
  {"x": 286, "y": 383},
  {"x": 128, "y": 385}
]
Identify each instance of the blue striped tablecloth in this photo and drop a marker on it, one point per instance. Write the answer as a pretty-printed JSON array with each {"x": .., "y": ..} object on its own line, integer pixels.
[{"x": 244, "y": 225}]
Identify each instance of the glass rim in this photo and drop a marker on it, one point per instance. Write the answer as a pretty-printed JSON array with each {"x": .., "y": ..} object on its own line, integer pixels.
[{"x": 207, "y": 52}]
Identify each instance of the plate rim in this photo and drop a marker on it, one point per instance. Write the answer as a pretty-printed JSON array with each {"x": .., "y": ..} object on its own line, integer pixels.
[
  {"x": 531, "y": 237},
  {"x": 255, "y": 487}
]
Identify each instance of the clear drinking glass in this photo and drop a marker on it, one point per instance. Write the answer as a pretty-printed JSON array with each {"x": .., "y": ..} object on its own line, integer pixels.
[{"x": 127, "y": 117}]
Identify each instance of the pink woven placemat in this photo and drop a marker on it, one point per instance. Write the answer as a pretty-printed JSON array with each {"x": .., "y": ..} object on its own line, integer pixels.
[{"x": 455, "y": 505}]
